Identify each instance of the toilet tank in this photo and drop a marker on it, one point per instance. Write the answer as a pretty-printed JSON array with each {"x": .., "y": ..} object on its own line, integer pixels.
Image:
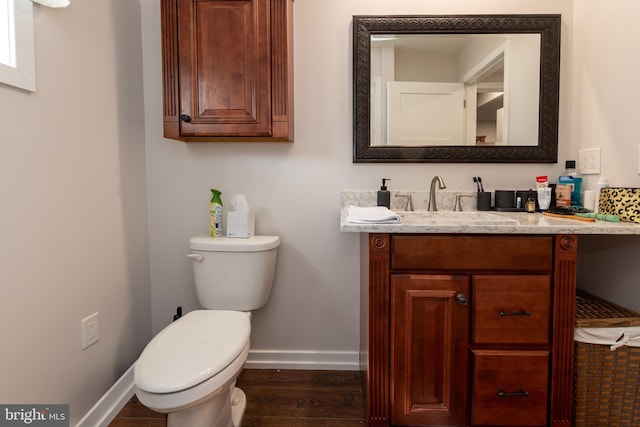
[{"x": 232, "y": 273}]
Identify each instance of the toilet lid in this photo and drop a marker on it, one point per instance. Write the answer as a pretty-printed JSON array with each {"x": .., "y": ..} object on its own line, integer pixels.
[{"x": 192, "y": 350}]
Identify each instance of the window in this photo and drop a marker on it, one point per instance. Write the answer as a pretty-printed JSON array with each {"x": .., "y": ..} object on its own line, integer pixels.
[
  {"x": 17, "y": 60},
  {"x": 7, "y": 39}
]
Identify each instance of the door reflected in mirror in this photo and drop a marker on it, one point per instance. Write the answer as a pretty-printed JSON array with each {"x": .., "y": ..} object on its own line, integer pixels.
[{"x": 462, "y": 89}]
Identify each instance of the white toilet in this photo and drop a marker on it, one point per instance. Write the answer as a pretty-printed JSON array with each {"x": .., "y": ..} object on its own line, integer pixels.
[{"x": 189, "y": 369}]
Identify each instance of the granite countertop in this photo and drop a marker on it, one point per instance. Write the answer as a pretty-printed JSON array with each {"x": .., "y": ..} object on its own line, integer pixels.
[{"x": 491, "y": 222}]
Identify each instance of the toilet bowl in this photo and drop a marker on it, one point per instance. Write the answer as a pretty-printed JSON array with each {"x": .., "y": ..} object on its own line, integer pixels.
[{"x": 189, "y": 369}]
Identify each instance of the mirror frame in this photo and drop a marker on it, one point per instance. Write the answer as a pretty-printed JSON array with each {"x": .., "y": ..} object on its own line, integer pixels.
[{"x": 548, "y": 26}]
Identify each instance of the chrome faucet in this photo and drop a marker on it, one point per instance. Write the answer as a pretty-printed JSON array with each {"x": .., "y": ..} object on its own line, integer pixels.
[{"x": 432, "y": 192}]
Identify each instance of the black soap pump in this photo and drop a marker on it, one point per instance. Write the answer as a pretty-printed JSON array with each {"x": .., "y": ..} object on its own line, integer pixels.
[{"x": 384, "y": 196}]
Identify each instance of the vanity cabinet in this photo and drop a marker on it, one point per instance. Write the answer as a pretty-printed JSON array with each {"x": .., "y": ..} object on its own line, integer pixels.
[
  {"x": 227, "y": 70},
  {"x": 470, "y": 330}
]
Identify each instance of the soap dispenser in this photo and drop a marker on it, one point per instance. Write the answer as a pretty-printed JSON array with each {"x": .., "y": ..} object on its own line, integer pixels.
[{"x": 384, "y": 196}]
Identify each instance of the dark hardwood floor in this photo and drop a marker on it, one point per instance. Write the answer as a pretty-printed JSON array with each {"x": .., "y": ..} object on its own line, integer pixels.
[{"x": 281, "y": 398}]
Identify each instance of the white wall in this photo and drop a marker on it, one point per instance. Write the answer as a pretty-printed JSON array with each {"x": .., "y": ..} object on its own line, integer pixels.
[
  {"x": 73, "y": 208},
  {"x": 605, "y": 79},
  {"x": 294, "y": 188},
  {"x": 73, "y": 217}
]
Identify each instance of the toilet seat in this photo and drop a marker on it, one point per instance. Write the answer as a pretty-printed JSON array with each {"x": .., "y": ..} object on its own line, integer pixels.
[
  {"x": 192, "y": 349},
  {"x": 167, "y": 403}
]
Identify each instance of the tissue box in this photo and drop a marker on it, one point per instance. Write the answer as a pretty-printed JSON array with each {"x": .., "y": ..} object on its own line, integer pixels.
[
  {"x": 621, "y": 201},
  {"x": 241, "y": 224}
]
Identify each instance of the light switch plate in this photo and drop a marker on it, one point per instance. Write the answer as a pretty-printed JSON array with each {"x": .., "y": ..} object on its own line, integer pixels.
[
  {"x": 638, "y": 159},
  {"x": 90, "y": 330},
  {"x": 589, "y": 161}
]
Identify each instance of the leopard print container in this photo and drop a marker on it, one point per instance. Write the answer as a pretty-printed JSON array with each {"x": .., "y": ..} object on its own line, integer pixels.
[{"x": 621, "y": 201}]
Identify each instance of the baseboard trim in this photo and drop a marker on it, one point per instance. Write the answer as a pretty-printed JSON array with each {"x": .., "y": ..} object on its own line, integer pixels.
[
  {"x": 320, "y": 360},
  {"x": 108, "y": 407}
]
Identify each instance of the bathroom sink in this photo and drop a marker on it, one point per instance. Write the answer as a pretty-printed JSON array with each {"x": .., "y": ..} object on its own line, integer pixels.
[{"x": 452, "y": 218}]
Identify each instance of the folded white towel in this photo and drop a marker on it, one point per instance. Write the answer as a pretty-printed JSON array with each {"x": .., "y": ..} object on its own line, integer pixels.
[{"x": 372, "y": 215}]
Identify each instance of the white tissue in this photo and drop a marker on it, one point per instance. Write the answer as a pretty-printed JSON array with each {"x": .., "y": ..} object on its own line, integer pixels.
[
  {"x": 239, "y": 203},
  {"x": 241, "y": 222},
  {"x": 52, "y": 3}
]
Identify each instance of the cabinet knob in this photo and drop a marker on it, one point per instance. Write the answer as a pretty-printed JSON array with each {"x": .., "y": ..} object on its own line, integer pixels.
[
  {"x": 461, "y": 299},
  {"x": 185, "y": 118}
]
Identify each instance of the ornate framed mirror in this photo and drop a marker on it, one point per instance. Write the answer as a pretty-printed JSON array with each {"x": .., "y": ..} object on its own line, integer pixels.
[{"x": 456, "y": 89}]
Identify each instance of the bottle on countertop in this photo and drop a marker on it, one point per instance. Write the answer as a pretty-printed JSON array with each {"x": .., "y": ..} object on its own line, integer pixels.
[
  {"x": 531, "y": 203},
  {"x": 570, "y": 177},
  {"x": 215, "y": 214},
  {"x": 384, "y": 196},
  {"x": 602, "y": 183}
]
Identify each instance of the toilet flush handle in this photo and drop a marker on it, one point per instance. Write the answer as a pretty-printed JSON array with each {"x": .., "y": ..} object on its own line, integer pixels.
[{"x": 196, "y": 257}]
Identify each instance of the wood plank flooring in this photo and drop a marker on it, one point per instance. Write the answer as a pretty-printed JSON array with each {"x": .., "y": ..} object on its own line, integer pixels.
[{"x": 281, "y": 398}]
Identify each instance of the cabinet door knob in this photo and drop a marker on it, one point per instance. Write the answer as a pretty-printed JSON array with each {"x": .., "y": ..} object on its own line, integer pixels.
[
  {"x": 461, "y": 299},
  {"x": 185, "y": 118}
]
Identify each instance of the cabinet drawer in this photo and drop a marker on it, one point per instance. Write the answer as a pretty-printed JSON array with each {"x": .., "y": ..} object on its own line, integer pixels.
[
  {"x": 511, "y": 309},
  {"x": 472, "y": 253},
  {"x": 510, "y": 388}
]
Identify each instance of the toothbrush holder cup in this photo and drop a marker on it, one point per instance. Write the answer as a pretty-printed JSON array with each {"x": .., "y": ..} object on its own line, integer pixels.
[{"x": 483, "y": 201}]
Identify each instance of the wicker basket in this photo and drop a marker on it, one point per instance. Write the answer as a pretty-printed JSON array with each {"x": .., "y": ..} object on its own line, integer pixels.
[{"x": 607, "y": 383}]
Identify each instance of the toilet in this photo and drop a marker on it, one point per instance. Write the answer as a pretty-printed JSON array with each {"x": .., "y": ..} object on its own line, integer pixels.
[{"x": 189, "y": 369}]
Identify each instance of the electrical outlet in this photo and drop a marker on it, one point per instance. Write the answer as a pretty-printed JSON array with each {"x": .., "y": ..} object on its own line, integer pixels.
[
  {"x": 90, "y": 330},
  {"x": 589, "y": 161}
]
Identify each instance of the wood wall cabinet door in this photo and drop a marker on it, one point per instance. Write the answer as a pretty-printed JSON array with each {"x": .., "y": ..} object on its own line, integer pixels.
[
  {"x": 429, "y": 349},
  {"x": 227, "y": 70}
]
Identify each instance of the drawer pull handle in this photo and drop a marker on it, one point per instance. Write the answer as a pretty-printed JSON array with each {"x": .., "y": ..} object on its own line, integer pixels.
[
  {"x": 519, "y": 393},
  {"x": 503, "y": 313}
]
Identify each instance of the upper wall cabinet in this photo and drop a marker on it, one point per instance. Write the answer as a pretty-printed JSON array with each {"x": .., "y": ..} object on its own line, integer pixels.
[{"x": 227, "y": 68}]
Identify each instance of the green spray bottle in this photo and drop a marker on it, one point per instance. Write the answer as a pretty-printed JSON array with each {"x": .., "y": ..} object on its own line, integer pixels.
[{"x": 215, "y": 214}]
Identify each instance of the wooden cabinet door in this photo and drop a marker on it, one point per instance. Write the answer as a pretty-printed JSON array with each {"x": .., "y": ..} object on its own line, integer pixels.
[
  {"x": 429, "y": 350},
  {"x": 225, "y": 68}
]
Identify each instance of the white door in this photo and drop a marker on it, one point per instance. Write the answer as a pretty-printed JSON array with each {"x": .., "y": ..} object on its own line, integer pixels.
[{"x": 423, "y": 113}]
